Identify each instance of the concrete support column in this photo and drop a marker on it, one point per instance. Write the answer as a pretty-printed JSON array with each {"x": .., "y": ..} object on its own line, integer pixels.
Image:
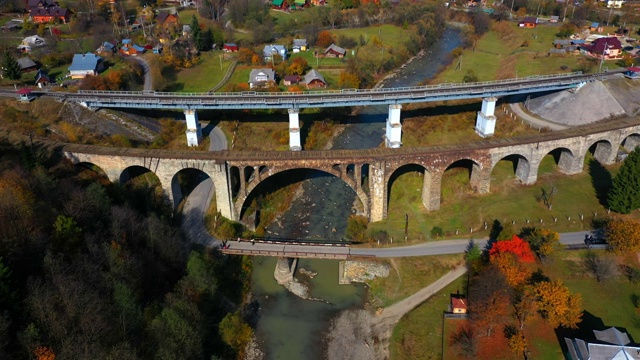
[
  {"x": 285, "y": 268},
  {"x": 393, "y": 135},
  {"x": 166, "y": 181},
  {"x": 222, "y": 185},
  {"x": 377, "y": 191},
  {"x": 294, "y": 130},
  {"x": 431, "y": 190},
  {"x": 570, "y": 164},
  {"x": 194, "y": 130},
  {"x": 486, "y": 120}
]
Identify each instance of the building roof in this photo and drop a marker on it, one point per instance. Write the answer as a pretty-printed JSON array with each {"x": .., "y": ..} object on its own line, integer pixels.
[
  {"x": 554, "y": 17},
  {"x": 41, "y": 3},
  {"x": 335, "y": 48},
  {"x": 26, "y": 63},
  {"x": 299, "y": 42},
  {"x": 270, "y": 73},
  {"x": 25, "y": 91},
  {"x": 611, "y": 344},
  {"x": 634, "y": 69},
  {"x": 274, "y": 49},
  {"x": 561, "y": 42},
  {"x": 278, "y": 2},
  {"x": 164, "y": 16},
  {"x": 292, "y": 78},
  {"x": 54, "y": 11},
  {"x": 459, "y": 303},
  {"x": 529, "y": 20},
  {"x": 312, "y": 75},
  {"x": 40, "y": 75},
  {"x": 230, "y": 45},
  {"x": 300, "y": 2},
  {"x": 598, "y": 45},
  {"x": 34, "y": 40},
  {"x": 595, "y": 24},
  {"x": 84, "y": 62},
  {"x": 138, "y": 48}
]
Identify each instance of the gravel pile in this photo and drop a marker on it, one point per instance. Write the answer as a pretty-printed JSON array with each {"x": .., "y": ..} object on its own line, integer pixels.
[
  {"x": 351, "y": 337},
  {"x": 362, "y": 271}
]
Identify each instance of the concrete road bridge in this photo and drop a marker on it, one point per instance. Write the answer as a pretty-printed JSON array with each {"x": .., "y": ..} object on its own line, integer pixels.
[
  {"x": 370, "y": 173},
  {"x": 394, "y": 98}
]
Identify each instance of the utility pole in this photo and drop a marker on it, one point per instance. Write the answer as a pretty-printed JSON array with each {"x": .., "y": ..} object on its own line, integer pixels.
[{"x": 602, "y": 59}]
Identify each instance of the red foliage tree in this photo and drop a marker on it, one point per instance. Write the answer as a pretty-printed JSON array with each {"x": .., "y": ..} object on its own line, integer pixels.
[
  {"x": 324, "y": 39},
  {"x": 516, "y": 246}
]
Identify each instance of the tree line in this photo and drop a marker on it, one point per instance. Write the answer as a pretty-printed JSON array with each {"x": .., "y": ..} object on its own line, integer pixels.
[{"x": 94, "y": 270}]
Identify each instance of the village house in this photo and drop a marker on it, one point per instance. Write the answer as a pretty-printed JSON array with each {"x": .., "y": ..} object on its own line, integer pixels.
[
  {"x": 595, "y": 27},
  {"x": 25, "y": 95},
  {"x": 298, "y": 4},
  {"x": 85, "y": 64},
  {"x": 278, "y": 5},
  {"x": 554, "y": 19},
  {"x": 528, "y": 22},
  {"x": 131, "y": 49},
  {"x": 458, "y": 304},
  {"x": 261, "y": 78},
  {"x": 41, "y": 4},
  {"x": 291, "y": 80},
  {"x": 314, "y": 80},
  {"x": 167, "y": 19},
  {"x": 608, "y": 344},
  {"x": 27, "y": 65},
  {"x": 608, "y": 47},
  {"x": 230, "y": 47},
  {"x": 12, "y": 25},
  {"x": 31, "y": 42},
  {"x": 47, "y": 15},
  {"x": 299, "y": 45},
  {"x": 106, "y": 48},
  {"x": 42, "y": 79},
  {"x": 274, "y": 49},
  {"x": 335, "y": 51},
  {"x": 633, "y": 73}
]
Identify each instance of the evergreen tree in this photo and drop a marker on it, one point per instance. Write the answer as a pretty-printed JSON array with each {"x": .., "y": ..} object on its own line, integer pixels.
[
  {"x": 624, "y": 195},
  {"x": 10, "y": 67},
  {"x": 196, "y": 33},
  {"x": 207, "y": 40}
]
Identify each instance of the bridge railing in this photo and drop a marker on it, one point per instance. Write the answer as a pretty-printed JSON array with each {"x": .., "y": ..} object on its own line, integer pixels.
[{"x": 321, "y": 93}]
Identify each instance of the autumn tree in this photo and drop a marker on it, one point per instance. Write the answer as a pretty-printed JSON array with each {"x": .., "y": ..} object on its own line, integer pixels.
[
  {"x": 235, "y": 332},
  {"x": 543, "y": 242},
  {"x": 623, "y": 235},
  {"x": 517, "y": 341},
  {"x": 349, "y": 80},
  {"x": 602, "y": 267},
  {"x": 324, "y": 39},
  {"x": 624, "y": 195},
  {"x": 516, "y": 246},
  {"x": 489, "y": 298},
  {"x": 515, "y": 273},
  {"x": 557, "y": 304},
  {"x": 465, "y": 341},
  {"x": 297, "y": 66},
  {"x": 524, "y": 306}
]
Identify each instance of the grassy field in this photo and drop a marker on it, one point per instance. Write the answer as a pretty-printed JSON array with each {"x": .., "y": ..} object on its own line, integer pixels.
[
  {"x": 389, "y": 35},
  {"x": 418, "y": 335},
  {"x": 206, "y": 74},
  {"x": 408, "y": 275},
  {"x": 507, "y": 51},
  {"x": 508, "y": 201}
]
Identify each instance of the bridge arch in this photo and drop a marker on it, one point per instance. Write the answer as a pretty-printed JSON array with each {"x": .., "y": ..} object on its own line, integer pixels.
[
  {"x": 602, "y": 150},
  {"x": 567, "y": 161},
  {"x": 630, "y": 141},
  {"x": 99, "y": 171},
  {"x": 268, "y": 174},
  {"x": 145, "y": 185},
  {"x": 455, "y": 176},
  {"x": 421, "y": 178},
  {"x": 184, "y": 182},
  {"x": 520, "y": 167}
]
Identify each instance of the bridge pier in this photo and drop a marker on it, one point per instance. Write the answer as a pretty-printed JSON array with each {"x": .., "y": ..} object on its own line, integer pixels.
[
  {"x": 377, "y": 192},
  {"x": 431, "y": 188},
  {"x": 486, "y": 120},
  {"x": 194, "y": 130},
  {"x": 285, "y": 268},
  {"x": 294, "y": 130},
  {"x": 393, "y": 136}
]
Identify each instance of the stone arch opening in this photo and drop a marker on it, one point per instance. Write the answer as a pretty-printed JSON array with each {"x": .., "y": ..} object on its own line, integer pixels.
[
  {"x": 602, "y": 151},
  {"x": 93, "y": 171},
  {"x": 145, "y": 188},
  {"x": 275, "y": 192},
  {"x": 184, "y": 182},
  {"x": 561, "y": 159},
  {"x": 412, "y": 186},
  {"x": 459, "y": 179},
  {"x": 631, "y": 142},
  {"x": 248, "y": 173},
  {"x": 364, "y": 178},
  {"x": 351, "y": 171},
  {"x": 234, "y": 181},
  {"x": 510, "y": 167}
]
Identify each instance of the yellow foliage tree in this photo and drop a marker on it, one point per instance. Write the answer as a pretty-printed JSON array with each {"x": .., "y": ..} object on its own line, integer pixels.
[
  {"x": 557, "y": 304},
  {"x": 514, "y": 271},
  {"x": 44, "y": 353},
  {"x": 623, "y": 235}
]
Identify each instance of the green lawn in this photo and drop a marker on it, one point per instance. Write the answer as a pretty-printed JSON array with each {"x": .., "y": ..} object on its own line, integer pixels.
[
  {"x": 508, "y": 201},
  {"x": 418, "y": 335},
  {"x": 320, "y": 61},
  {"x": 240, "y": 75},
  {"x": 389, "y": 35},
  {"x": 209, "y": 72},
  {"x": 495, "y": 57}
]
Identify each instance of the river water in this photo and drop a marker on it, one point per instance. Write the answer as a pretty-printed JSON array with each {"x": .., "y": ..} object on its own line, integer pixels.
[{"x": 292, "y": 328}]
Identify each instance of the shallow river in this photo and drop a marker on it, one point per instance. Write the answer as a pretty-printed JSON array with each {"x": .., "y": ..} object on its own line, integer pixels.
[{"x": 292, "y": 328}]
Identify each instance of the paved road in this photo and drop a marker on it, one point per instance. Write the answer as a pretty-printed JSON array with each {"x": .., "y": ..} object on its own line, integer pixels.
[
  {"x": 148, "y": 85},
  {"x": 218, "y": 140},
  {"x": 536, "y": 122},
  {"x": 199, "y": 200}
]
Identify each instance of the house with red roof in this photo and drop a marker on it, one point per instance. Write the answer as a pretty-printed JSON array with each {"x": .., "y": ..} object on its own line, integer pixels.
[
  {"x": 51, "y": 14},
  {"x": 608, "y": 47},
  {"x": 459, "y": 304},
  {"x": 633, "y": 72},
  {"x": 528, "y": 23}
]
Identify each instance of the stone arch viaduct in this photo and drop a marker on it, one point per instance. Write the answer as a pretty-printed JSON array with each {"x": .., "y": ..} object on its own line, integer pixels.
[{"x": 368, "y": 172}]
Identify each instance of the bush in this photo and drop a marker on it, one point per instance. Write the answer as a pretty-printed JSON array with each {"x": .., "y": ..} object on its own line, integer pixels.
[
  {"x": 347, "y": 42},
  {"x": 437, "y": 232},
  {"x": 357, "y": 227}
]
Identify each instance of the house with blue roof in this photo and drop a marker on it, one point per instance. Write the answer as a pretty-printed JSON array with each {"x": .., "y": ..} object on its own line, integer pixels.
[
  {"x": 274, "y": 49},
  {"x": 85, "y": 64}
]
